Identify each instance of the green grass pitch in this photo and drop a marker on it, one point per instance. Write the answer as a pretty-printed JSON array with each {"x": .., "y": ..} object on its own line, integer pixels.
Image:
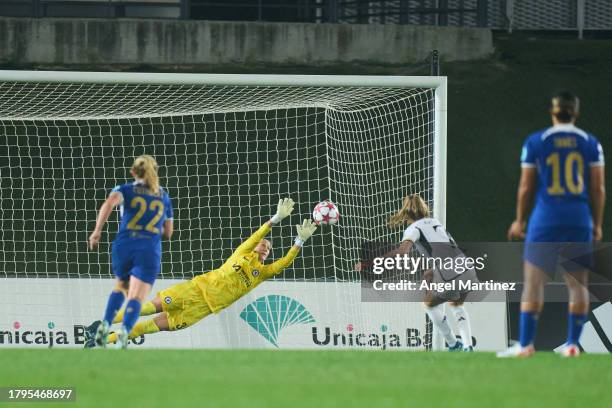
[{"x": 248, "y": 378}]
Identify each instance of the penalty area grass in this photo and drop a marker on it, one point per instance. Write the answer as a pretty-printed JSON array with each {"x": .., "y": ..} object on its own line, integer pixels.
[{"x": 279, "y": 378}]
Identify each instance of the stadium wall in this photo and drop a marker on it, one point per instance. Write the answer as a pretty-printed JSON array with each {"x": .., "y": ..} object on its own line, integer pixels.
[
  {"x": 62, "y": 41},
  {"x": 284, "y": 315}
]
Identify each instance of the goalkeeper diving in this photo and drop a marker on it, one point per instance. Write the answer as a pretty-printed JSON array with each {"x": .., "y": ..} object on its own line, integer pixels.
[{"x": 184, "y": 304}]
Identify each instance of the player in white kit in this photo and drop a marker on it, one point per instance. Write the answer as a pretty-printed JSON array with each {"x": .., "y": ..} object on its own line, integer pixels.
[{"x": 430, "y": 239}]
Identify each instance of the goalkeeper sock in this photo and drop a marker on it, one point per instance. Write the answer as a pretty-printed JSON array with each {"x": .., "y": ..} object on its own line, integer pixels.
[
  {"x": 575, "y": 323},
  {"x": 119, "y": 316},
  {"x": 147, "y": 309},
  {"x": 463, "y": 324},
  {"x": 115, "y": 300},
  {"x": 132, "y": 311},
  {"x": 146, "y": 327},
  {"x": 439, "y": 321},
  {"x": 528, "y": 322},
  {"x": 139, "y": 329}
]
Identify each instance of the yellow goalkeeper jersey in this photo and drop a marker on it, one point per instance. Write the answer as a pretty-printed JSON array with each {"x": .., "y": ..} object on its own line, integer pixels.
[{"x": 240, "y": 273}]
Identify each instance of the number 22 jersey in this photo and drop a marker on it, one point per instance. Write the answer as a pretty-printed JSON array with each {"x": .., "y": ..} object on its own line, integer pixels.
[{"x": 143, "y": 212}]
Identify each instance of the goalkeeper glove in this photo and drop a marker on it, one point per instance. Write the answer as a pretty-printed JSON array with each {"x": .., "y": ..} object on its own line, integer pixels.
[
  {"x": 283, "y": 210},
  {"x": 304, "y": 232}
]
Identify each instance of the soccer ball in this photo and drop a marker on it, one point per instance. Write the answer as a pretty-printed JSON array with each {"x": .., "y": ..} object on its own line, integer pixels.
[{"x": 325, "y": 213}]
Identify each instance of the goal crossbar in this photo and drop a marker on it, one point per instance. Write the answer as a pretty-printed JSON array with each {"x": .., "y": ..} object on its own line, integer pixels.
[{"x": 223, "y": 79}]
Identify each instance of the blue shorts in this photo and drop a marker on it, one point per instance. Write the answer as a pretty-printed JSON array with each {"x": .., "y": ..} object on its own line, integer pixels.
[
  {"x": 552, "y": 247},
  {"x": 139, "y": 258}
]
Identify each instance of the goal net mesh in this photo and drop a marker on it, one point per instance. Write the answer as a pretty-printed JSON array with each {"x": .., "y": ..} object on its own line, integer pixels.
[{"x": 227, "y": 154}]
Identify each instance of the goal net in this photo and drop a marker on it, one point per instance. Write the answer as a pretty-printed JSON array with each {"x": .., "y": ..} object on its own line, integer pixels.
[{"x": 228, "y": 146}]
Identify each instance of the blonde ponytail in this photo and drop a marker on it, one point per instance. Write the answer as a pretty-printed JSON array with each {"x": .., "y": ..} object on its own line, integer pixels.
[
  {"x": 145, "y": 168},
  {"x": 413, "y": 208}
]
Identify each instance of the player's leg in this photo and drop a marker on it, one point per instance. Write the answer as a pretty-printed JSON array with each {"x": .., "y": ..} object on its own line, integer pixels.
[
  {"x": 434, "y": 307},
  {"x": 162, "y": 322},
  {"x": 578, "y": 261},
  {"x": 146, "y": 265},
  {"x": 121, "y": 265},
  {"x": 138, "y": 291},
  {"x": 101, "y": 328},
  {"x": 167, "y": 321},
  {"x": 578, "y": 310},
  {"x": 154, "y": 325},
  {"x": 181, "y": 306},
  {"x": 148, "y": 308},
  {"x": 150, "y": 326},
  {"x": 462, "y": 320},
  {"x": 532, "y": 301},
  {"x": 175, "y": 299},
  {"x": 152, "y": 307}
]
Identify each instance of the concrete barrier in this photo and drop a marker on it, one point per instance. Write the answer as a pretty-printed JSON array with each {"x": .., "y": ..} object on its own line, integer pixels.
[{"x": 171, "y": 42}]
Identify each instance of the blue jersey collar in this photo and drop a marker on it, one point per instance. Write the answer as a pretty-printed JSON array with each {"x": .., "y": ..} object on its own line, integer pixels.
[{"x": 564, "y": 128}]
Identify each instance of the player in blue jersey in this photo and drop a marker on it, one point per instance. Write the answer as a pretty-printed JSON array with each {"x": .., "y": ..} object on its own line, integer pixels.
[
  {"x": 146, "y": 216},
  {"x": 563, "y": 166}
]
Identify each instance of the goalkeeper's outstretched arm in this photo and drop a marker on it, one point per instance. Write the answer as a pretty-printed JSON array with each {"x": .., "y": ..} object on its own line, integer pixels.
[
  {"x": 283, "y": 210},
  {"x": 304, "y": 232}
]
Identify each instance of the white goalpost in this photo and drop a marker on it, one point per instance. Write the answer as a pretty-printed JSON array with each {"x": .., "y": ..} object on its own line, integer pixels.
[{"x": 229, "y": 146}]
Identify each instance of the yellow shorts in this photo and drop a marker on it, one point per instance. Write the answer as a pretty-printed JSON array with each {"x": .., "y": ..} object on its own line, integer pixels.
[{"x": 184, "y": 305}]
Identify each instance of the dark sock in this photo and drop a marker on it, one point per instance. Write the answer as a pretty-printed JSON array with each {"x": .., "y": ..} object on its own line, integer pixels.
[
  {"x": 132, "y": 312},
  {"x": 575, "y": 323},
  {"x": 115, "y": 301},
  {"x": 528, "y": 324}
]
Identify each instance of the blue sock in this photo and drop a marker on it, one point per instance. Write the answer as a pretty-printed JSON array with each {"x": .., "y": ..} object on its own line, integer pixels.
[
  {"x": 528, "y": 323},
  {"x": 575, "y": 322},
  {"x": 132, "y": 312},
  {"x": 115, "y": 301}
]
